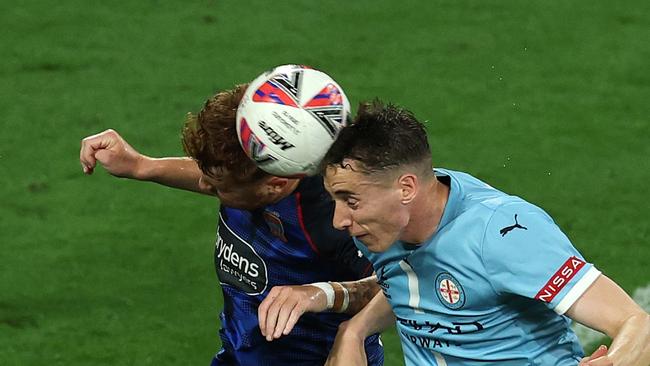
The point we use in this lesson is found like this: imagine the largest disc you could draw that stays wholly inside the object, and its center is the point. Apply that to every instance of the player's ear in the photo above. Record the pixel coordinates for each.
(408, 185)
(276, 185)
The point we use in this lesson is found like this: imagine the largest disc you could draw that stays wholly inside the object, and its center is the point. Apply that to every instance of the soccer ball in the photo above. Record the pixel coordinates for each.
(289, 117)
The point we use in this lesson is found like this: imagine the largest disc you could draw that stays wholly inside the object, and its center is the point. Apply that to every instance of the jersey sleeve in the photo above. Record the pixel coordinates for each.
(334, 245)
(525, 253)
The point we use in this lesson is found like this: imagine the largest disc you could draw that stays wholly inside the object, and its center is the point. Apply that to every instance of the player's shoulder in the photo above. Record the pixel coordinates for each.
(511, 208)
(506, 205)
(476, 193)
(516, 225)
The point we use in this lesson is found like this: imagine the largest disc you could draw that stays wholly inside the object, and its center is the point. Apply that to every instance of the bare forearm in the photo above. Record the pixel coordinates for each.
(375, 317)
(607, 308)
(360, 293)
(631, 346)
(348, 348)
(175, 172)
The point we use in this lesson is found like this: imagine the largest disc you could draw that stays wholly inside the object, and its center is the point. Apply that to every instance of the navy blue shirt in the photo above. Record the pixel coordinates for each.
(291, 242)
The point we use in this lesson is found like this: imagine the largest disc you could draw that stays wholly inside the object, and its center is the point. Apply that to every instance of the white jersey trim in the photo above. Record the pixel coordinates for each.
(439, 359)
(414, 287)
(577, 290)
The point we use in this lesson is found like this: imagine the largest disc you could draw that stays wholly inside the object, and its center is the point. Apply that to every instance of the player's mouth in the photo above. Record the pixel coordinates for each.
(360, 236)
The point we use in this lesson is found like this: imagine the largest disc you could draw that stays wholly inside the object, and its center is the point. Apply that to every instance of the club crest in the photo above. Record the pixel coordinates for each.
(449, 291)
(275, 224)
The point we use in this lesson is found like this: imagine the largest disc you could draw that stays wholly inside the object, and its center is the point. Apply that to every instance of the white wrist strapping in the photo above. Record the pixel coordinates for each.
(328, 289)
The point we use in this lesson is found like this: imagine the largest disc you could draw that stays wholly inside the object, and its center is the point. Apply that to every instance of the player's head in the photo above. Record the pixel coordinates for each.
(210, 138)
(375, 170)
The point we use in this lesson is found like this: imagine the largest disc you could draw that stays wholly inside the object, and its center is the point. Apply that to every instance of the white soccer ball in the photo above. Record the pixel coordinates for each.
(289, 117)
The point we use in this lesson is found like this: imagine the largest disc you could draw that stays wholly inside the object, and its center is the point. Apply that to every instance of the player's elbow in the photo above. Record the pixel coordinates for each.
(637, 323)
(638, 338)
(644, 321)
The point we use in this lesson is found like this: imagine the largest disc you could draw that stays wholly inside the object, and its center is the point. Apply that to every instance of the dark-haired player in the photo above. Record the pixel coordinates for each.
(272, 231)
(473, 276)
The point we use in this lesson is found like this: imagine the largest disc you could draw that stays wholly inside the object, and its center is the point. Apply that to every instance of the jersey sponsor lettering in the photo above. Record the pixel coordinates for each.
(449, 328)
(237, 263)
(563, 275)
(441, 334)
(426, 342)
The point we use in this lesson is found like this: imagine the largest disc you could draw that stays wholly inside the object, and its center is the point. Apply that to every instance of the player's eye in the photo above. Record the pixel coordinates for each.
(353, 203)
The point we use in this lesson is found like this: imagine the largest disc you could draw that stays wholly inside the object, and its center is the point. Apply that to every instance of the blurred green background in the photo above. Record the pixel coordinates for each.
(548, 100)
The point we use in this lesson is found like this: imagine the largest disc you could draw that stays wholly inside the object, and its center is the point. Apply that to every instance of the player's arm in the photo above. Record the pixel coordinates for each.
(348, 348)
(122, 160)
(606, 307)
(284, 305)
(359, 293)
(562, 279)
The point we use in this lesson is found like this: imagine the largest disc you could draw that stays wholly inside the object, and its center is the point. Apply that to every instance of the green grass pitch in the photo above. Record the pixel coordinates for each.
(547, 100)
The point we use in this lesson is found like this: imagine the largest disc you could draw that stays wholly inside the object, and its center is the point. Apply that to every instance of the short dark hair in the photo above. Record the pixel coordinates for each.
(210, 137)
(381, 137)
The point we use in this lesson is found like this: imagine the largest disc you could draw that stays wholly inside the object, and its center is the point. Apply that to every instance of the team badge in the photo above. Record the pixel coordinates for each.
(449, 291)
(275, 224)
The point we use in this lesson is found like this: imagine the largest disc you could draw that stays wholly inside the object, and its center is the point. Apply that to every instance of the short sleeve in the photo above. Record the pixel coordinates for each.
(525, 253)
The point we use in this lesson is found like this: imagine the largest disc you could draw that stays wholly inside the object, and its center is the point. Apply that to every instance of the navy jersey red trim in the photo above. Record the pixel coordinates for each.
(301, 220)
(291, 242)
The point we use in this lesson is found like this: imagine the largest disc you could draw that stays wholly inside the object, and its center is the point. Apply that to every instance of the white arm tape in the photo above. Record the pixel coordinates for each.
(346, 300)
(329, 292)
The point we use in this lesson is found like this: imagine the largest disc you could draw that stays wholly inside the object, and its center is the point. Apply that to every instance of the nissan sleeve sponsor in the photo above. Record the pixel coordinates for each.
(563, 275)
(237, 263)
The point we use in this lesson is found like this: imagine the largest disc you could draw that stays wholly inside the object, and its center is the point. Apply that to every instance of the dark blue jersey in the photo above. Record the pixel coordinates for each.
(291, 242)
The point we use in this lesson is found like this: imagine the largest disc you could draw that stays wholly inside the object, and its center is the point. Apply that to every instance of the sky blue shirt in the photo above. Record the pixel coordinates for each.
(490, 286)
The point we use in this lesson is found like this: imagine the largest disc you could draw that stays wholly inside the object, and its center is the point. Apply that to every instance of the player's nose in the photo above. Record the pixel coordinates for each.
(342, 219)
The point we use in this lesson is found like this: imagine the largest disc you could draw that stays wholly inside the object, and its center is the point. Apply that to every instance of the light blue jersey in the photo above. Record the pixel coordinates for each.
(489, 287)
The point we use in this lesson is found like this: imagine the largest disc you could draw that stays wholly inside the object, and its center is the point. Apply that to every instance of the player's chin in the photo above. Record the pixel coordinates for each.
(371, 243)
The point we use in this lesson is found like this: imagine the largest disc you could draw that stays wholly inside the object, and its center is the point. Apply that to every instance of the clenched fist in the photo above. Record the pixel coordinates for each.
(113, 152)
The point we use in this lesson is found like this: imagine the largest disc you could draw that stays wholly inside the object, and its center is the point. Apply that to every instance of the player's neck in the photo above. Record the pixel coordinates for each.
(426, 213)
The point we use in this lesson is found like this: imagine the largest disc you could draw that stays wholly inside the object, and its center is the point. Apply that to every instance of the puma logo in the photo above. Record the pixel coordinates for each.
(507, 229)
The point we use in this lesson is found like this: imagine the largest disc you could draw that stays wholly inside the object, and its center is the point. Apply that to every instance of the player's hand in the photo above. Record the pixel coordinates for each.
(598, 358)
(284, 305)
(113, 152)
(348, 348)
